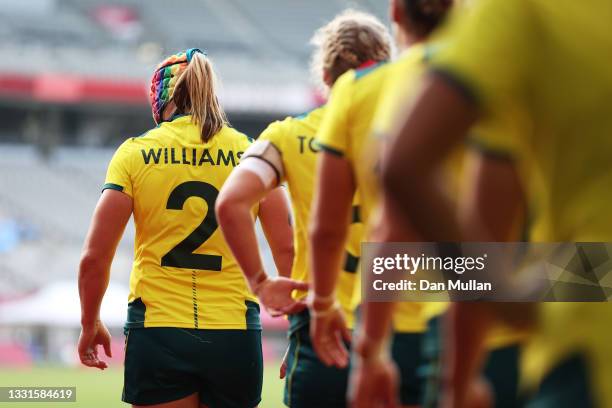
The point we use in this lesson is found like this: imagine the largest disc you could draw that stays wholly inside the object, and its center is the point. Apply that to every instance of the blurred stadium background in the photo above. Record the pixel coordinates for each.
(73, 86)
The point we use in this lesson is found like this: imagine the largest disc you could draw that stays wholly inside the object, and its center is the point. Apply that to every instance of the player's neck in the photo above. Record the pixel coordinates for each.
(406, 40)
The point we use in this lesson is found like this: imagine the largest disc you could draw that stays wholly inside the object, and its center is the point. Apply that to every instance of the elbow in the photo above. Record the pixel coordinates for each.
(391, 180)
(88, 263)
(325, 234)
(287, 250)
(225, 208)
(91, 265)
(400, 180)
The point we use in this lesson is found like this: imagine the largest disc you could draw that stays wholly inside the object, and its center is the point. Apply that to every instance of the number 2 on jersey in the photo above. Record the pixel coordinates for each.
(182, 256)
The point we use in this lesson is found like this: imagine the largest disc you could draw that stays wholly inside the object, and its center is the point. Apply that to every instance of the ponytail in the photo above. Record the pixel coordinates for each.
(195, 94)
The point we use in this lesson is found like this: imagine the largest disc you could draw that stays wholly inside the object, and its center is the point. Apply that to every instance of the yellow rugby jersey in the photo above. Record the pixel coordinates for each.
(401, 77)
(294, 138)
(345, 131)
(404, 75)
(550, 62)
(184, 274)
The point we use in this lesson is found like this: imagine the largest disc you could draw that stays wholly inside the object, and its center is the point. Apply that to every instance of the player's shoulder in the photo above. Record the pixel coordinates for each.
(300, 118)
(291, 125)
(230, 135)
(367, 75)
(148, 137)
(370, 70)
(311, 117)
(133, 143)
(417, 55)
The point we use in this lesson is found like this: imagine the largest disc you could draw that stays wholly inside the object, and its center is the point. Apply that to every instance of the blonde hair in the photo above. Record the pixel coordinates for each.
(195, 94)
(349, 40)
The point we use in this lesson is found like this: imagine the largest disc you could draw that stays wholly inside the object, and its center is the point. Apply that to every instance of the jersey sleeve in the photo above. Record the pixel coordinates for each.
(488, 50)
(333, 134)
(499, 136)
(486, 57)
(275, 134)
(120, 170)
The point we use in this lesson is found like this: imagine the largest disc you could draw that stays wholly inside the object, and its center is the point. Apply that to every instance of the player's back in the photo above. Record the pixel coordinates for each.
(184, 274)
(353, 103)
(572, 137)
(346, 132)
(570, 92)
(294, 137)
(548, 63)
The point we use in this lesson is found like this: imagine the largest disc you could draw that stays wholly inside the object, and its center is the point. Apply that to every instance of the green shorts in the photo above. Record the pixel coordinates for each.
(163, 364)
(502, 373)
(407, 352)
(501, 370)
(309, 382)
(568, 385)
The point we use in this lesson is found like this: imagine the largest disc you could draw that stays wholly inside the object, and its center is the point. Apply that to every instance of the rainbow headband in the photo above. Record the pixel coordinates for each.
(165, 78)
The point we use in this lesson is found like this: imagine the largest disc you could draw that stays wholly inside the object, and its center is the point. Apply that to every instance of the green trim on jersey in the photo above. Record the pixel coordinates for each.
(111, 186)
(329, 149)
(304, 115)
(137, 311)
(351, 262)
(479, 146)
(461, 85)
(356, 214)
(360, 73)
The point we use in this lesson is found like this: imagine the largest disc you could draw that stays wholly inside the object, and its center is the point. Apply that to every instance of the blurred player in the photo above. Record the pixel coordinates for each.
(286, 152)
(349, 164)
(541, 68)
(193, 335)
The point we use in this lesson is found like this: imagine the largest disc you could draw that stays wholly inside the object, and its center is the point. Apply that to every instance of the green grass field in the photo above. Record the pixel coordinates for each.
(97, 389)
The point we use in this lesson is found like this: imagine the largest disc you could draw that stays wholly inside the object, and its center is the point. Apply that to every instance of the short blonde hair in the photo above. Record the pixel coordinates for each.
(350, 39)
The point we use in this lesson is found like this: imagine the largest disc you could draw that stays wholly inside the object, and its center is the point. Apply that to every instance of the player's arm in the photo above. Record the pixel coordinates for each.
(275, 217)
(491, 208)
(385, 227)
(331, 211)
(257, 175)
(413, 161)
(411, 165)
(373, 366)
(109, 220)
(329, 224)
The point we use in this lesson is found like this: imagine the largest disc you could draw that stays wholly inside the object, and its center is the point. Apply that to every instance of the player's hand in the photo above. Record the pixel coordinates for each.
(373, 382)
(328, 333)
(92, 336)
(274, 293)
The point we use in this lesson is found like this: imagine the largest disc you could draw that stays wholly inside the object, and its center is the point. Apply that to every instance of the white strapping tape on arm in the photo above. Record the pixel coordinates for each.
(264, 160)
